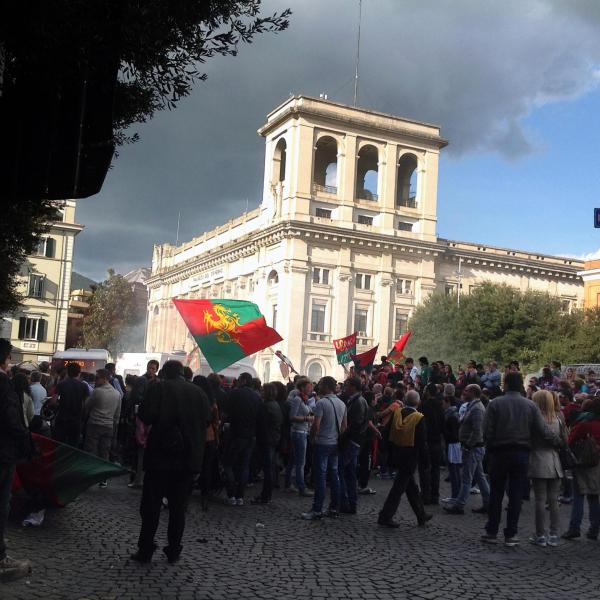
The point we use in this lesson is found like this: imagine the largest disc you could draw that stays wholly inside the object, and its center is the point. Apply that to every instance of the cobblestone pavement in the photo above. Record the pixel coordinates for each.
(81, 552)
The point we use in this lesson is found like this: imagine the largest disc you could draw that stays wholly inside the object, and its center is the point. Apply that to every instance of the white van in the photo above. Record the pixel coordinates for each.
(134, 363)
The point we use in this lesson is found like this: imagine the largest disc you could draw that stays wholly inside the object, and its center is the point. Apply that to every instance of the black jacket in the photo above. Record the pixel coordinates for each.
(14, 436)
(179, 413)
(433, 410)
(270, 420)
(243, 405)
(451, 425)
(357, 418)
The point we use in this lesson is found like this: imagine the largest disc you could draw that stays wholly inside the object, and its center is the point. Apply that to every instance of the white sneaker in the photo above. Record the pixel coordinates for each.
(552, 540)
(538, 541)
(475, 490)
(34, 519)
(311, 515)
(232, 501)
(239, 502)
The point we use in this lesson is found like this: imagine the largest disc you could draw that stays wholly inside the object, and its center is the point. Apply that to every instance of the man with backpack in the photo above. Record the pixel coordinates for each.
(353, 437)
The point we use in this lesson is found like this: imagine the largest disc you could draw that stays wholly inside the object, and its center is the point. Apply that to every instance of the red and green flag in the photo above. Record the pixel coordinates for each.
(61, 472)
(364, 361)
(396, 354)
(226, 330)
(344, 348)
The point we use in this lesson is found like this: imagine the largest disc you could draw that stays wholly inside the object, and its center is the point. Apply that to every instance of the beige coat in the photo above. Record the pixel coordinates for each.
(544, 462)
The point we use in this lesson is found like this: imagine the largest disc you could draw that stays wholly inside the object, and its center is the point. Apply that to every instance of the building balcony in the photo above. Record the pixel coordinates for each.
(410, 202)
(313, 336)
(366, 195)
(364, 343)
(325, 189)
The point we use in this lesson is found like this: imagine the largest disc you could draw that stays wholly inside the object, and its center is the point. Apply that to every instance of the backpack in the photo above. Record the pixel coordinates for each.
(587, 452)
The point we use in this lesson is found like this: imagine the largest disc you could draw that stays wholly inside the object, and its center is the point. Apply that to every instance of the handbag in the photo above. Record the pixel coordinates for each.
(342, 440)
(568, 460)
(587, 452)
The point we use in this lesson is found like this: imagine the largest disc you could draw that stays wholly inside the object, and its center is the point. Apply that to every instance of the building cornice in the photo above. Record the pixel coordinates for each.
(449, 250)
(509, 259)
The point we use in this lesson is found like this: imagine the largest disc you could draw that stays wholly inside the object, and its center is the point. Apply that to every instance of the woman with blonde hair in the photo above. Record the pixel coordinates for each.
(546, 473)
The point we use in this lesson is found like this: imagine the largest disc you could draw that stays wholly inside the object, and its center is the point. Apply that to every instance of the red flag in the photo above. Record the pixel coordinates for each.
(401, 343)
(364, 361)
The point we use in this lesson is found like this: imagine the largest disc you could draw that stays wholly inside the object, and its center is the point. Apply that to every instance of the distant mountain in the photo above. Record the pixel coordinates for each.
(81, 282)
(138, 275)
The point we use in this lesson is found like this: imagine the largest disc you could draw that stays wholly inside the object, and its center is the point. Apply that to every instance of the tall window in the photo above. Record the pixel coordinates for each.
(325, 173)
(274, 319)
(315, 372)
(361, 316)
(406, 188)
(32, 329)
(367, 175)
(450, 288)
(267, 372)
(317, 317)
(323, 213)
(46, 247)
(320, 275)
(273, 278)
(36, 285)
(279, 160)
(363, 281)
(404, 287)
(400, 323)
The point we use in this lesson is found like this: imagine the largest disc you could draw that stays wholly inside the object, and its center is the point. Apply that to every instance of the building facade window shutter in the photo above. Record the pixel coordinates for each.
(50, 247)
(22, 321)
(41, 330)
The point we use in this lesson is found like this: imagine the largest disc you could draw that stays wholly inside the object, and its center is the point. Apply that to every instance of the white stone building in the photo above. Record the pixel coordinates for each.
(343, 240)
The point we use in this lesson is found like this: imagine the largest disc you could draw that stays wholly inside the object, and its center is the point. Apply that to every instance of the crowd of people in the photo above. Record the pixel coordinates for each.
(488, 430)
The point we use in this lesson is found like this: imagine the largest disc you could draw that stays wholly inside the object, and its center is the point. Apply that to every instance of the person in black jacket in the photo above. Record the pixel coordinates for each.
(354, 436)
(178, 412)
(14, 446)
(242, 411)
(429, 476)
(408, 446)
(268, 436)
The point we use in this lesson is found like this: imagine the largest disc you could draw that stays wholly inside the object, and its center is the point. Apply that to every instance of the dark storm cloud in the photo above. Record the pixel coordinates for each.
(477, 68)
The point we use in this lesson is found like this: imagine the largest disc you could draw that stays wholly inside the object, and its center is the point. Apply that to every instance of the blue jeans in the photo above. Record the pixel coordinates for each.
(507, 466)
(347, 472)
(577, 512)
(325, 462)
(454, 470)
(473, 469)
(299, 443)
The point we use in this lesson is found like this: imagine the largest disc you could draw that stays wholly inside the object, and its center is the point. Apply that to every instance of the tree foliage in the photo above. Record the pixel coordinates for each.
(157, 47)
(21, 227)
(113, 313)
(501, 323)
